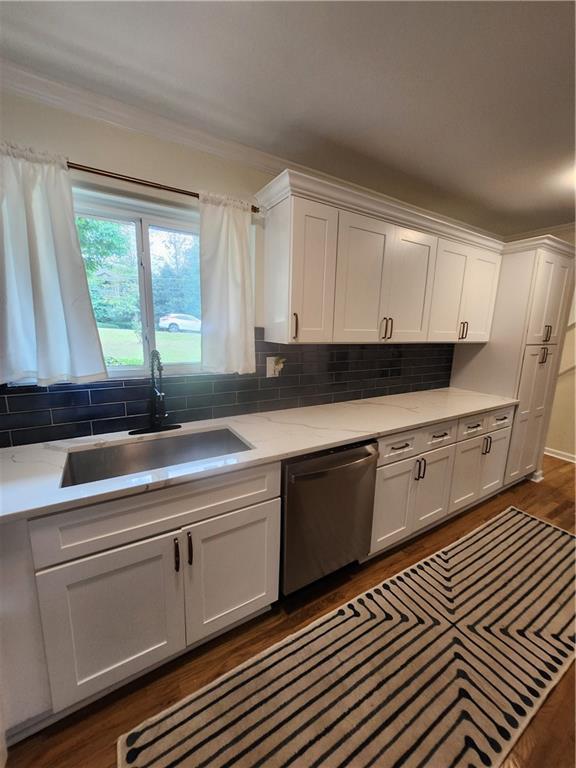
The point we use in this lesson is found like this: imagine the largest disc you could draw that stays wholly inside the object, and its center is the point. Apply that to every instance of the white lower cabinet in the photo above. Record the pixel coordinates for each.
(410, 495)
(113, 614)
(467, 468)
(479, 468)
(494, 461)
(232, 568)
(109, 616)
(432, 490)
(392, 518)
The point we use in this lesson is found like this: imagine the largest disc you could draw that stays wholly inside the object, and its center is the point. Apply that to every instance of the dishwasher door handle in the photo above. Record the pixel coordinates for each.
(371, 457)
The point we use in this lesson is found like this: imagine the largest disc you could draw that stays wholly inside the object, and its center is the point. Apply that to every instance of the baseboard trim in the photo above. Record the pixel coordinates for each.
(564, 455)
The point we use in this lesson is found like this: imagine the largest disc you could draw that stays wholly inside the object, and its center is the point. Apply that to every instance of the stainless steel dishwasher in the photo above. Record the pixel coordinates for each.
(327, 513)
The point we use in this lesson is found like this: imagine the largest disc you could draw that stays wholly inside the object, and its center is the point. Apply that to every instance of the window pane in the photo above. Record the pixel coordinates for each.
(110, 251)
(175, 262)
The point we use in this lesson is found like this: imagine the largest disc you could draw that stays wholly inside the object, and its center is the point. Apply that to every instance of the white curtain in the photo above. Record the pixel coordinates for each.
(227, 286)
(47, 328)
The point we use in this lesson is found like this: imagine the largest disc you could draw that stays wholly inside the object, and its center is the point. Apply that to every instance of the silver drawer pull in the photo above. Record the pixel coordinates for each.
(437, 437)
(400, 447)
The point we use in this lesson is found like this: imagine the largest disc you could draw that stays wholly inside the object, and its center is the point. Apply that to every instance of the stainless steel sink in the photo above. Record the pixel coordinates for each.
(115, 460)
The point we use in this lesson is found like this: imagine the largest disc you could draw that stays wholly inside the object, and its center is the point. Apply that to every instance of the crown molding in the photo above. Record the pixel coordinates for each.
(555, 231)
(85, 103)
(321, 186)
(549, 242)
(350, 198)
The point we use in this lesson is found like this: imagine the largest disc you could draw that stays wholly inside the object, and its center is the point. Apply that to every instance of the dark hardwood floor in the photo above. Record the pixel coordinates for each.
(87, 739)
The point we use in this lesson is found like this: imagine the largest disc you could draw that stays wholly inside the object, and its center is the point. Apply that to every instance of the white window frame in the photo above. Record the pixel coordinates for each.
(143, 214)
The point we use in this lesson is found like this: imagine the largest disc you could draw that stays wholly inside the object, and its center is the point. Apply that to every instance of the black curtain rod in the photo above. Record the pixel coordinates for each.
(141, 182)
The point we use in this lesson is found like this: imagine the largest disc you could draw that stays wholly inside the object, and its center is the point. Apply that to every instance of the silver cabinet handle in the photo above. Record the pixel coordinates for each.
(391, 328)
(461, 331)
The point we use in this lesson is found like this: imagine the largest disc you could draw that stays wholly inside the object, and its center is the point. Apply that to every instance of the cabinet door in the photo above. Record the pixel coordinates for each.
(479, 295)
(447, 294)
(432, 490)
(363, 244)
(561, 290)
(535, 392)
(466, 477)
(494, 461)
(392, 519)
(408, 280)
(314, 239)
(552, 284)
(110, 615)
(231, 567)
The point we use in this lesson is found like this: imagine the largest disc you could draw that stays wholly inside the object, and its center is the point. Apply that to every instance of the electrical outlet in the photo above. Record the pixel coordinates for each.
(274, 366)
(271, 369)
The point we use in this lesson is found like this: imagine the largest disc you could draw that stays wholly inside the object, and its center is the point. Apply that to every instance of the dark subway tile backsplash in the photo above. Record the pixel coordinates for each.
(313, 374)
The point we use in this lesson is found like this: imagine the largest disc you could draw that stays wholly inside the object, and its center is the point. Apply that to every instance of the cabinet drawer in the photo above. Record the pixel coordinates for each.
(79, 532)
(498, 419)
(398, 446)
(470, 426)
(438, 435)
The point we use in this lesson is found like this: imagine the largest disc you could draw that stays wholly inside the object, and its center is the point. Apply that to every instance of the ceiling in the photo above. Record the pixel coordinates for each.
(466, 108)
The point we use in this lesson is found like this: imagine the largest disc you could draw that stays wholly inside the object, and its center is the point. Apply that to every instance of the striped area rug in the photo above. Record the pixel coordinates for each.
(442, 665)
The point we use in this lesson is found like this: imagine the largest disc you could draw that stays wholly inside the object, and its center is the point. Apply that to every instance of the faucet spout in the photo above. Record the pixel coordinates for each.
(158, 413)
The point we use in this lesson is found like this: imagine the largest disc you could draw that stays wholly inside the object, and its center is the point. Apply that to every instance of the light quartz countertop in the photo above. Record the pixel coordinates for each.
(30, 475)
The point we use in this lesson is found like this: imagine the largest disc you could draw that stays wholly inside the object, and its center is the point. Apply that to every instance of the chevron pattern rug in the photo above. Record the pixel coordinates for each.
(442, 665)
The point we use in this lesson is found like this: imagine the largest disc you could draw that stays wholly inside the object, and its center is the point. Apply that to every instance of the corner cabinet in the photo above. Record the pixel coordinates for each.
(117, 613)
(339, 268)
(465, 285)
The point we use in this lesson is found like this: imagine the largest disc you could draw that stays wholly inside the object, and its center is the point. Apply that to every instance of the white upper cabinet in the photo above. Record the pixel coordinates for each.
(345, 265)
(363, 246)
(384, 280)
(465, 285)
(551, 294)
(446, 310)
(300, 270)
(408, 280)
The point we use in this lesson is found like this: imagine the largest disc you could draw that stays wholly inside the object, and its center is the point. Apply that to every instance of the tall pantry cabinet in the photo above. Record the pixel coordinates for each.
(532, 305)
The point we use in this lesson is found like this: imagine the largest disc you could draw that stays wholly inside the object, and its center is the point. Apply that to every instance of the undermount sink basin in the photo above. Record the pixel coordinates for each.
(126, 458)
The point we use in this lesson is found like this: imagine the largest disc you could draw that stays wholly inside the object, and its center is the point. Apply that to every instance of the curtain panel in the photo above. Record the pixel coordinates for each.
(227, 286)
(48, 332)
